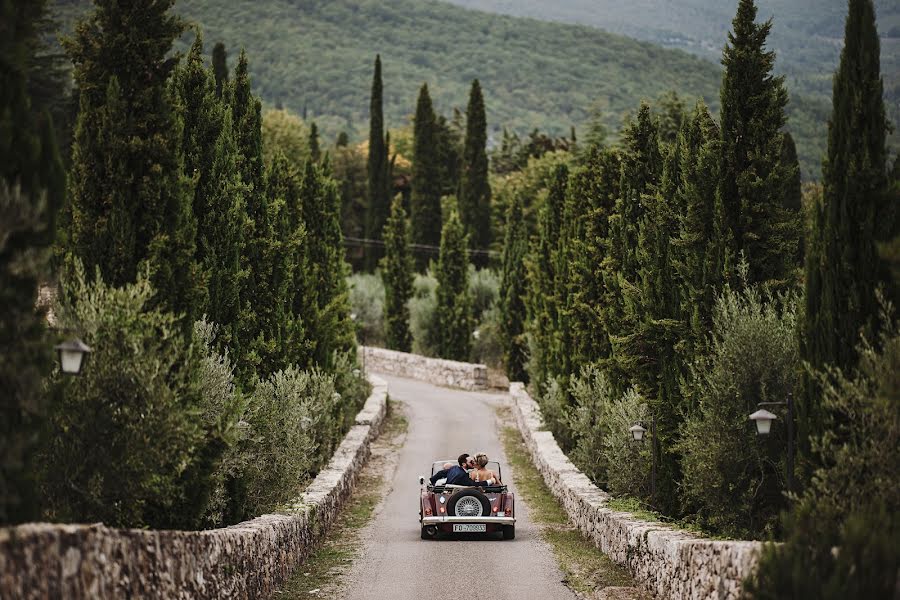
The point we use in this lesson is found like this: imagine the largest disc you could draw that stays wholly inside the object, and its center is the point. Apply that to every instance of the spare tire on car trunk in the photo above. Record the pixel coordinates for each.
(469, 503)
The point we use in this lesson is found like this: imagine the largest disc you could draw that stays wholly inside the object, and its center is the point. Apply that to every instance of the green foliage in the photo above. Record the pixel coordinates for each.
(513, 292)
(367, 301)
(425, 203)
(734, 478)
(348, 165)
(842, 267)
(422, 315)
(841, 537)
(379, 197)
(454, 308)
(25, 354)
(753, 179)
(397, 267)
(285, 132)
(144, 377)
(129, 200)
(603, 447)
(474, 189)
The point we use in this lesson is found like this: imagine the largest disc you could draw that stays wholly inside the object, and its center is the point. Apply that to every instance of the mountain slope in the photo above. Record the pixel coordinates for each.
(317, 55)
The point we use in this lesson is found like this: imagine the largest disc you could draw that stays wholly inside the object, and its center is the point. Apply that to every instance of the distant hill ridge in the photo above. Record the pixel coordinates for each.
(316, 56)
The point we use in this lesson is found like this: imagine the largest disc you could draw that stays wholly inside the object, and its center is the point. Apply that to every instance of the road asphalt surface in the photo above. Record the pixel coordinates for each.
(395, 563)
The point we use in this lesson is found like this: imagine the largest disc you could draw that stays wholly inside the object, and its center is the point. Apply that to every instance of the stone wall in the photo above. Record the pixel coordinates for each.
(666, 562)
(247, 560)
(447, 373)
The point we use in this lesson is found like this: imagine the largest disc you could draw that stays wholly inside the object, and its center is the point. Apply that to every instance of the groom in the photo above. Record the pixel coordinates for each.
(459, 476)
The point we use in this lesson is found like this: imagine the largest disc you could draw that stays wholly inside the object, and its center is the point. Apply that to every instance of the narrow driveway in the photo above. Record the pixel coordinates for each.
(397, 564)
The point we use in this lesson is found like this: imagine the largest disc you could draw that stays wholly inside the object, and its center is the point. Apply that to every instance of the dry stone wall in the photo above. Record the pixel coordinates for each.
(667, 562)
(447, 373)
(247, 560)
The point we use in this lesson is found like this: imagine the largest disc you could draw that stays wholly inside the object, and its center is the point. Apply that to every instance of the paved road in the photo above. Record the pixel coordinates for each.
(396, 564)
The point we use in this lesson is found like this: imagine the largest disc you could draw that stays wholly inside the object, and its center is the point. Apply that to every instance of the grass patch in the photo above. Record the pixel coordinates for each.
(586, 569)
(320, 576)
(641, 511)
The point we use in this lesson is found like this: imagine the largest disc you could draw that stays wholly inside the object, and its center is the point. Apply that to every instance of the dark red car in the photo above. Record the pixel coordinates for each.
(460, 509)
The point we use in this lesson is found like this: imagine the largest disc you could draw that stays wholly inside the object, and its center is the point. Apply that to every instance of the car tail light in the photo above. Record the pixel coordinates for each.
(427, 511)
(509, 512)
(442, 509)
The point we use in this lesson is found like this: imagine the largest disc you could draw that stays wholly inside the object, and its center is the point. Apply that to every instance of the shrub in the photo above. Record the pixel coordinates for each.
(134, 441)
(290, 420)
(484, 290)
(367, 302)
(734, 478)
(487, 347)
(599, 423)
(422, 322)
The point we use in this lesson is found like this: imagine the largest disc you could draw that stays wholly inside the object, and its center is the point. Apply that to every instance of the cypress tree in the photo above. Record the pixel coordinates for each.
(543, 304)
(842, 266)
(474, 189)
(32, 186)
(513, 289)
(220, 67)
(315, 152)
(210, 157)
(425, 202)
(332, 330)
(129, 199)
(696, 248)
(641, 168)
(752, 181)
(454, 310)
(260, 244)
(397, 270)
(597, 183)
(378, 196)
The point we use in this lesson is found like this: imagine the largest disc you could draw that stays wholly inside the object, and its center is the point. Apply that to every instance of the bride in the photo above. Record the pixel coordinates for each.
(481, 472)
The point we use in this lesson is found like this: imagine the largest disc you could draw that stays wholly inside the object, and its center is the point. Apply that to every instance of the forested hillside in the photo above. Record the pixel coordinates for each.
(315, 57)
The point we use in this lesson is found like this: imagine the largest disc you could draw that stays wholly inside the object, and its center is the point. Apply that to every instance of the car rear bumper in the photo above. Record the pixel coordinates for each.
(487, 520)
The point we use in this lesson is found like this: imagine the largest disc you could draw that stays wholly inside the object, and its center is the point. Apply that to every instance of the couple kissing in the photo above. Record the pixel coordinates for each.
(469, 471)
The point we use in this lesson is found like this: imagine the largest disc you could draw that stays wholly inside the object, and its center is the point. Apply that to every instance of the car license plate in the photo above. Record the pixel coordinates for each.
(469, 528)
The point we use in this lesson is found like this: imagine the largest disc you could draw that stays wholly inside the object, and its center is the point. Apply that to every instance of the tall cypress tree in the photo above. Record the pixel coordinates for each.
(378, 195)
(425, 202)
(597, 183)
(842, 266)
(320, 202)
(32, 186)
(454, 309)
(397, 270)
(513, 289)
(129, 199)
(220, 67)
(210, 157)
(543, 304)
(696, 249)
(474, 189)
(752, 181)
(315, 151)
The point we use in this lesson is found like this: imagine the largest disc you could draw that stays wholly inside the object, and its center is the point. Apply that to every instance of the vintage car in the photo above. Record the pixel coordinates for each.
(460, 509)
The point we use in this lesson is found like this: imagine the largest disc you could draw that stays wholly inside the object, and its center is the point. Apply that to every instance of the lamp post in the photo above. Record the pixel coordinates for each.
(763, 419)
(637, 433)
(72, 356)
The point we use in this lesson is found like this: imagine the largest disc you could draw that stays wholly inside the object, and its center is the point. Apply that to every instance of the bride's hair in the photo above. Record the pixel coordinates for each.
(481, 459)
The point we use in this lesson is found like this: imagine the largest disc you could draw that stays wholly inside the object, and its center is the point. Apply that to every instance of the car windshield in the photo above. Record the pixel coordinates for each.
(492, 465)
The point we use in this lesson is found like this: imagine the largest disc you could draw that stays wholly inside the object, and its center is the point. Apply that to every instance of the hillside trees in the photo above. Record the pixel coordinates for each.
(454, 310)
(425, 202)
(397, 269)
(474, 189)
(220, 67)
(129, 200)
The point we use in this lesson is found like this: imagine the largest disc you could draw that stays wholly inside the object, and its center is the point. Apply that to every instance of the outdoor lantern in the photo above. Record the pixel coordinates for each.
(637, 432)
(763, 419)
(72, 355)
